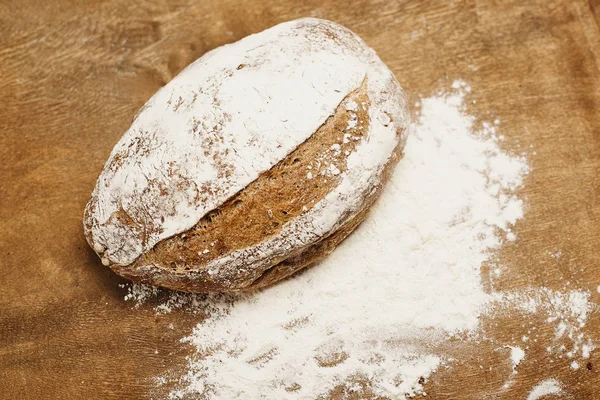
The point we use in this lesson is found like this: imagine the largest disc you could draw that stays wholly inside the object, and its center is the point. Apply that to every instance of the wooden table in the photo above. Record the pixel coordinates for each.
(73, 74)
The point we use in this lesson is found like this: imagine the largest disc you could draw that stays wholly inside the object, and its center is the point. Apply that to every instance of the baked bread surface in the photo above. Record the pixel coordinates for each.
(254, 162)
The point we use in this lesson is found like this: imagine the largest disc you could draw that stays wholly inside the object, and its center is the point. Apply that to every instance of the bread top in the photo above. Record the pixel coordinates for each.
(230, 116)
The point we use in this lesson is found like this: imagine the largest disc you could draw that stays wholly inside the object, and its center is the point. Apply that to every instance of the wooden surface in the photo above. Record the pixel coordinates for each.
(73, 74)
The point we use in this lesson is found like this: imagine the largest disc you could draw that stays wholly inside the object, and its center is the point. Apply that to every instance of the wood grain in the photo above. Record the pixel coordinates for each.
(73, 74)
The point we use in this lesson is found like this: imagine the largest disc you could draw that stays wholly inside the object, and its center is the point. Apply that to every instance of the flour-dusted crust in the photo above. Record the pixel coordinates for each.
(219, 130)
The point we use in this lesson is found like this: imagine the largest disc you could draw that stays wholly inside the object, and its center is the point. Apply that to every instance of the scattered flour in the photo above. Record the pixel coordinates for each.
(567, 311)
(368, 314)
(516, 356)
(574, 365)
(375, 314)
(140, 293)
(167, 300)
(556, 254)
(546, 388)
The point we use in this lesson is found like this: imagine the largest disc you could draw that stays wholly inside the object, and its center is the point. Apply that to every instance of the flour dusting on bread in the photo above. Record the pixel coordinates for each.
(226, 119)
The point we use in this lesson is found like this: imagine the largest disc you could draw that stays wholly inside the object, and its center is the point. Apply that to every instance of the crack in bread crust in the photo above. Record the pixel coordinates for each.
(279, 195)
(285, 268)
(193, 282)
(232, 114)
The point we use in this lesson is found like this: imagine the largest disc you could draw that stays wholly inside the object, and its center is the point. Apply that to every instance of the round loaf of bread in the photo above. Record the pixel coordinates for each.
(252, 163)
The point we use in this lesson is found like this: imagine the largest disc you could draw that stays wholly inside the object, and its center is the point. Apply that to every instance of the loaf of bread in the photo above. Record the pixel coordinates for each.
(252, 163)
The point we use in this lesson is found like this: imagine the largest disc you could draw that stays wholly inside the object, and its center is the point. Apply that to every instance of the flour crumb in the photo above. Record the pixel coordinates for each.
(586, 349)
(139, 293)
(516, 356)
(556, 254)
(352, 122)
(546, 388)
(574, 365)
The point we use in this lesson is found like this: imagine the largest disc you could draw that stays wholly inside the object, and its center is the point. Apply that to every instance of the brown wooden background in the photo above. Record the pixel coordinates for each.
(73, 74)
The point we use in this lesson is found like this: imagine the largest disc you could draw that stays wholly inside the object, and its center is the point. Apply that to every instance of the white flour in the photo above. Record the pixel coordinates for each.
(546, 388)
(566, 312)
(516, 356)
(406, 280)
(410, 275)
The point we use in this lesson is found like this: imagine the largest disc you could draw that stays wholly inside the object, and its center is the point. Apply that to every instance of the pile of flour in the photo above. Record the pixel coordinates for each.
(372, 314)
(409, 277)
